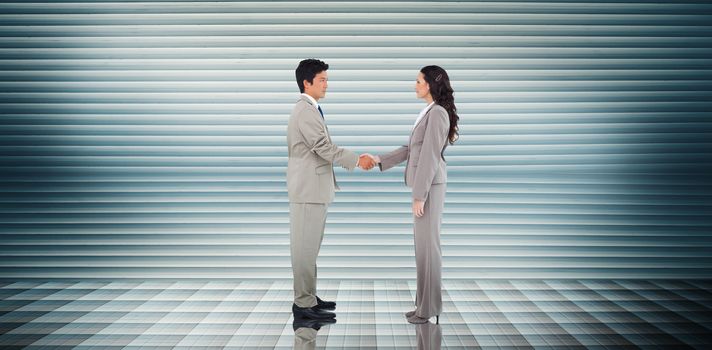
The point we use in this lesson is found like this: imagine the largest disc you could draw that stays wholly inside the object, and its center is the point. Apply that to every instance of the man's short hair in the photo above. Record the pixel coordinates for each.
(307, 70)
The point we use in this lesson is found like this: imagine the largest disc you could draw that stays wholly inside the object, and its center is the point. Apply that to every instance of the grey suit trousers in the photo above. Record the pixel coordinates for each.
(428, 256)
(305, 338)
(306, 231)
(429, 336)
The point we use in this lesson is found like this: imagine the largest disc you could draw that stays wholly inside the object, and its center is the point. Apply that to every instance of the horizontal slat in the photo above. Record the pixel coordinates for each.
(390, 88)
(350, 108)
(396, 208)
(356, 187)
(574, 6)
(354, 219)
(270, 41)
(256, 151)
(393, 75)
(163, 231)
(349, 98)
(358, 17)
(357, 63)
(334, 251)
(342, 273)
(581, 138)
(358, 29)
(327, 262)
(356, 52)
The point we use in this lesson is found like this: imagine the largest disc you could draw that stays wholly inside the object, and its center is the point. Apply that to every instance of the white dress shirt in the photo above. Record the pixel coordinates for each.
(422, 113)
(311, 99)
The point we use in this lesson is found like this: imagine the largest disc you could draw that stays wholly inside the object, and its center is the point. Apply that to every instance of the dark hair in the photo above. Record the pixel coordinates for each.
(307, 70)
(441, 91)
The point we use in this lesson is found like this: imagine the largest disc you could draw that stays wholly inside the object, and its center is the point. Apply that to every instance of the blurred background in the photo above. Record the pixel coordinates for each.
(146, 140)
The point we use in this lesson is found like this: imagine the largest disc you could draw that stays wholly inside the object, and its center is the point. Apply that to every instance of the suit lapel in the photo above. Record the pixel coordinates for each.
(308, 101)
(421, 119)
(302, 97)
(407, 161)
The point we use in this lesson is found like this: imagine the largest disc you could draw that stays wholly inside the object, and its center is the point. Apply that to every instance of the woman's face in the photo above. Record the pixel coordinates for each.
(422, 89)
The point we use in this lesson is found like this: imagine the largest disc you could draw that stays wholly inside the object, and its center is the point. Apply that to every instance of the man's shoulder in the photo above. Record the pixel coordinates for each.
(302, 109)
(300, 105)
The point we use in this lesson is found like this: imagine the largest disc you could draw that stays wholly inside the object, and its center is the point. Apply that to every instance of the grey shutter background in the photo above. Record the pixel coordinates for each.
(147, 139)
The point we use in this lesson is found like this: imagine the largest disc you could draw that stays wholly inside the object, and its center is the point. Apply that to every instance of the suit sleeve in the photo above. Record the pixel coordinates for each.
(393, 158)
(313, 132)
(435, 137)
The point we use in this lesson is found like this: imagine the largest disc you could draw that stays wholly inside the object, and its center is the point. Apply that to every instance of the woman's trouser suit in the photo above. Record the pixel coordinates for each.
(426, 173)
(428, 256)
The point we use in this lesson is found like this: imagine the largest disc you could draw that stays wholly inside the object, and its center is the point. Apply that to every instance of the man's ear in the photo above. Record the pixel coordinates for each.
(306, 82)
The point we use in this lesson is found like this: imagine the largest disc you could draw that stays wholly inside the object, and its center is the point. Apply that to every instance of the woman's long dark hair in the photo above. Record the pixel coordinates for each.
(441, 91)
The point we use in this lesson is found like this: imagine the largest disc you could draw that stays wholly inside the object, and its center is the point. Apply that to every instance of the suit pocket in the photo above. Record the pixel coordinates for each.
(323, 169)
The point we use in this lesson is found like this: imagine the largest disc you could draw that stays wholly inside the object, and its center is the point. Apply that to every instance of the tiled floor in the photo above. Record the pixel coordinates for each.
(482, 314)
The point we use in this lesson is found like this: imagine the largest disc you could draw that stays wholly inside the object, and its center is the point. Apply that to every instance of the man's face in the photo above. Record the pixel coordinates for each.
(317, 88)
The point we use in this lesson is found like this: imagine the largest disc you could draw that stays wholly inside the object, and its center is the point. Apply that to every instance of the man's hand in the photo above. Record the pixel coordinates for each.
(366, 161)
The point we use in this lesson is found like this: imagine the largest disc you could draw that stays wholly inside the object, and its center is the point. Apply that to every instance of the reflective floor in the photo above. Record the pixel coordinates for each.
(478, 314)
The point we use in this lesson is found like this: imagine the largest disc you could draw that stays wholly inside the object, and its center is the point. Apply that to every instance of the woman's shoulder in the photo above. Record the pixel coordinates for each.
(439, 110)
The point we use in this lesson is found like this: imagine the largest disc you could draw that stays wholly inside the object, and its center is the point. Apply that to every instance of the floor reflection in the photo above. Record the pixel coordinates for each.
(429, 336)
(305, 332)
(483, 314)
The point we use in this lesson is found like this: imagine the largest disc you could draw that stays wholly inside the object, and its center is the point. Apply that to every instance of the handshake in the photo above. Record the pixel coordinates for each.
(367, 161)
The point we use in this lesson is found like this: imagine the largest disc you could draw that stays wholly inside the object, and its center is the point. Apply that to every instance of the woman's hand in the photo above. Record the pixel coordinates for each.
(418, 207)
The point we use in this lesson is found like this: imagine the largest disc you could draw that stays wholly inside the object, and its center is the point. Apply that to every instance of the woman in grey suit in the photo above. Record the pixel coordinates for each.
(425, 173)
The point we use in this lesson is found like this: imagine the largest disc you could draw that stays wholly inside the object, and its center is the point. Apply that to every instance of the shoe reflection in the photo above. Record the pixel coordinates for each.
(305, 331)
(429, 336)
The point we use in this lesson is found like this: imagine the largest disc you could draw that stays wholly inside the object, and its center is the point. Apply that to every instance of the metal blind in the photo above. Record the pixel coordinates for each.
(147, 139)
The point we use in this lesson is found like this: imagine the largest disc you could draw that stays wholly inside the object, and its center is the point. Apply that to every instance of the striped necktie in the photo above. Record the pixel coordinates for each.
(320, 111)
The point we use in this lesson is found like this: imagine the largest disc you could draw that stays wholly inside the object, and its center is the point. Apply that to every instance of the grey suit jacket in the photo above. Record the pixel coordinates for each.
(310, 172)
(424, 153)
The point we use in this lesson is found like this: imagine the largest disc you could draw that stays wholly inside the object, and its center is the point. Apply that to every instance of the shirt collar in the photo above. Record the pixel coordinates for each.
(422, 113)
(316, 105)
(426, 108)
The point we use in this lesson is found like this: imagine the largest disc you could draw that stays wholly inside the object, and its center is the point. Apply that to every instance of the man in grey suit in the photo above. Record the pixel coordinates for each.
(311, 184)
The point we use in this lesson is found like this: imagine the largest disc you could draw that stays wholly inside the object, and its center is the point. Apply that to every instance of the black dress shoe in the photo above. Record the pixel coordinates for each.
(325, 305)
(312, 313)
(314, 324)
